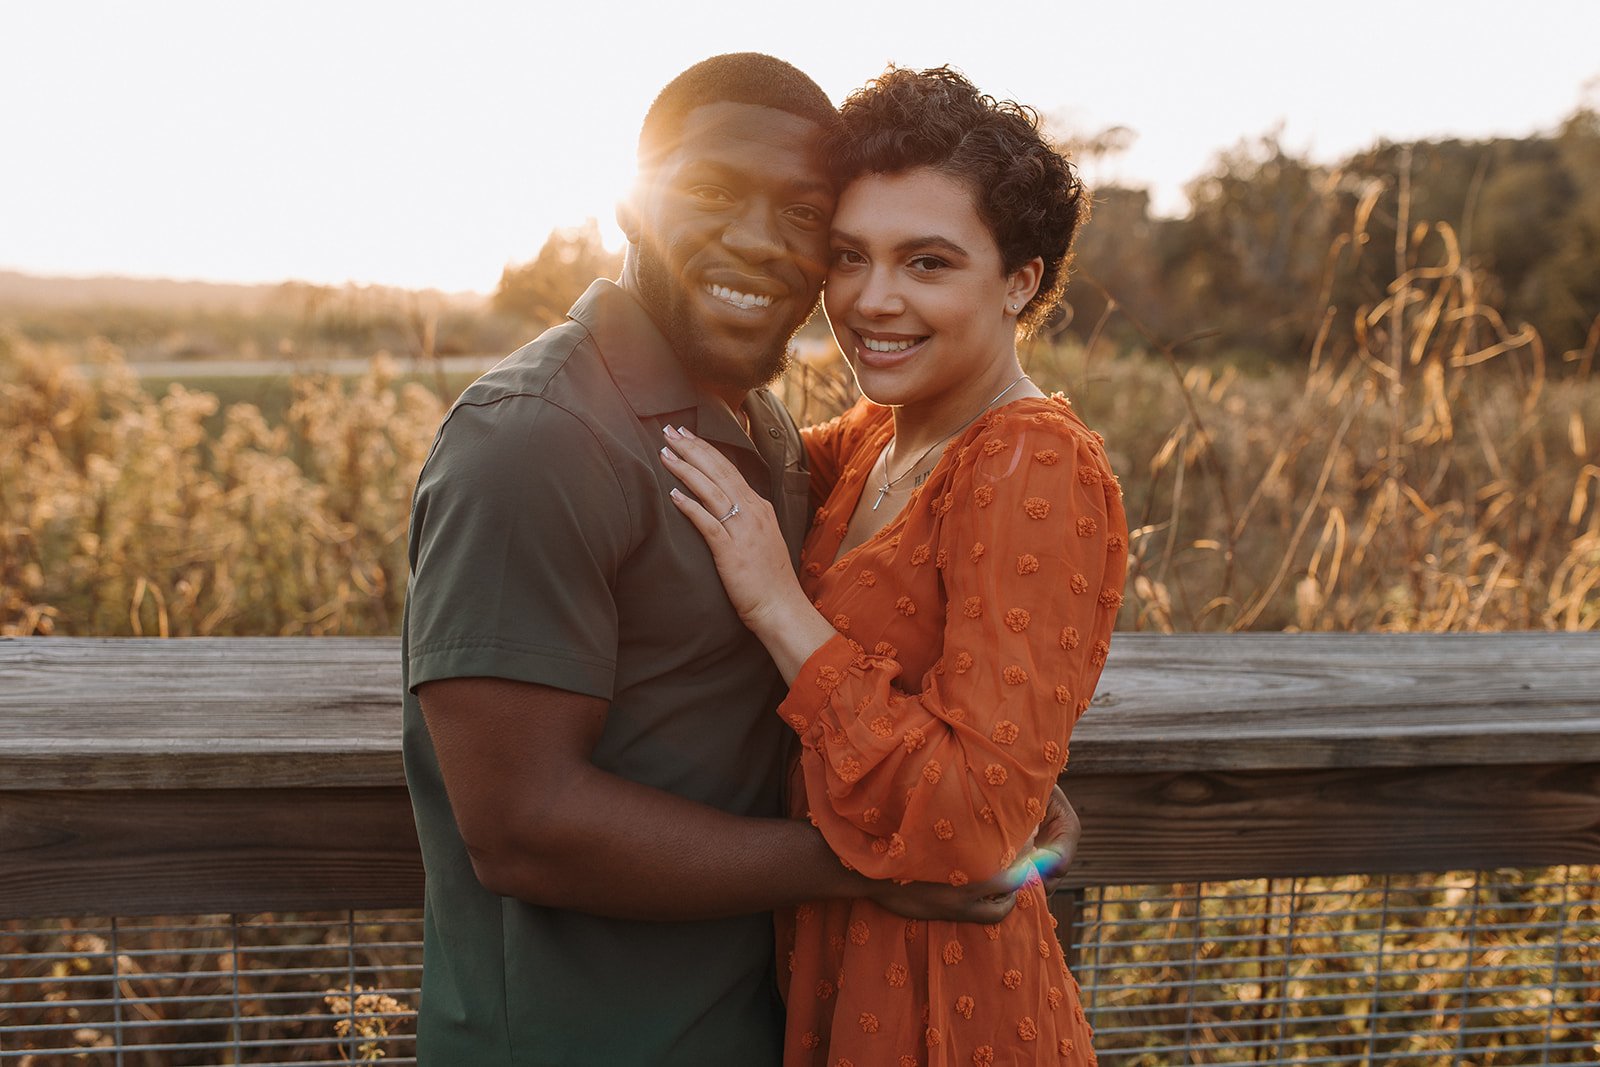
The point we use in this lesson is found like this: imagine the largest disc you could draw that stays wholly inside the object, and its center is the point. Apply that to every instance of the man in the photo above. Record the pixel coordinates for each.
(589, 737)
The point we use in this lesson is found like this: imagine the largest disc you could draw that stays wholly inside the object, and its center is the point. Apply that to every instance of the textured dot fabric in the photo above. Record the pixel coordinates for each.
(971, 632)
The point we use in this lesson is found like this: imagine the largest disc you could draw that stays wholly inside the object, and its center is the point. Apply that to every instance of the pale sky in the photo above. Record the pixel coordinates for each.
(419, 145)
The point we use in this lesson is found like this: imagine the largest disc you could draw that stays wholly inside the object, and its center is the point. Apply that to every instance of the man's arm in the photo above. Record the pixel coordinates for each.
(543, 824)
(1056, 843)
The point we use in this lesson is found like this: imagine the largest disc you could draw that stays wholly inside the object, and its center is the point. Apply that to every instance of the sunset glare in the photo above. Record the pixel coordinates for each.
(430, 145)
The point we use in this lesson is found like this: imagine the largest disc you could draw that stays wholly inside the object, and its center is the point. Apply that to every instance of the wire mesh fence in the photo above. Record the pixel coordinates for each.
(302, 989)
(1470, 968)
(1484, 968)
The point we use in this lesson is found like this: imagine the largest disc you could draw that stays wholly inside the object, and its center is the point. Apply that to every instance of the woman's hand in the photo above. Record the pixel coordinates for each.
(752, 559)
(739, 526)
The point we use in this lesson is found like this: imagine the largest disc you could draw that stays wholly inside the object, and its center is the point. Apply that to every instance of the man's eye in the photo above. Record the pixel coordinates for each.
(806, 215)
(709, 194)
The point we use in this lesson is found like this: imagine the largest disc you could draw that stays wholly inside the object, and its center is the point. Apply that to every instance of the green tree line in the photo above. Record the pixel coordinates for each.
(1273, 240)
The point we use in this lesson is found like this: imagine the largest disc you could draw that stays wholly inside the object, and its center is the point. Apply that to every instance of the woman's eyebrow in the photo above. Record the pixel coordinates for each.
(912, 244)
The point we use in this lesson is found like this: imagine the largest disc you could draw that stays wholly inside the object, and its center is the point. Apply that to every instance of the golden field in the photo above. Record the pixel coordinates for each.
(1426, 467)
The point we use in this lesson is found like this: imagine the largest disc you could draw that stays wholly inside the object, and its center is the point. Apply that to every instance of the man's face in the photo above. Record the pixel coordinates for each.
(730, 236)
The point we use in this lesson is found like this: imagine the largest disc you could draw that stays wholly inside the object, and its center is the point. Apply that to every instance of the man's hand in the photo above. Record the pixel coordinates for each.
(1056, 841)
(981, 902)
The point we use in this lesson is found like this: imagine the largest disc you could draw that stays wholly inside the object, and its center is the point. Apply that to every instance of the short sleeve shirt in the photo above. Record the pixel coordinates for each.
(544, 548)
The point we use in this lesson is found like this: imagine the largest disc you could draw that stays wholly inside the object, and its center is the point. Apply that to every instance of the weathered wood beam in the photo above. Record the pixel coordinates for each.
(149, 777)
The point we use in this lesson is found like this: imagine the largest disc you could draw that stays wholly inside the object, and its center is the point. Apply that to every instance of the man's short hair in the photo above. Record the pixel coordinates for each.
(737, 78)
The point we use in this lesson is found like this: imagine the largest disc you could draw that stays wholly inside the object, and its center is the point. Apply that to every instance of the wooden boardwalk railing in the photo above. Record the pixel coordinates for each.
(142, 777)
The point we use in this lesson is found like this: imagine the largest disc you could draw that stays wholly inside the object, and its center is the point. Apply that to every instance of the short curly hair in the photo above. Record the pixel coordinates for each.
(1026, 192)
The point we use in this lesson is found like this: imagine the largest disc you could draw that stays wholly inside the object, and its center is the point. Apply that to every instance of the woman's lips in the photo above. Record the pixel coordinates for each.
(890, 351)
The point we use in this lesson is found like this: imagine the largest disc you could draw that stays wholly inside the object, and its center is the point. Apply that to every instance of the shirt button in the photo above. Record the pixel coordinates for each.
(774, 433)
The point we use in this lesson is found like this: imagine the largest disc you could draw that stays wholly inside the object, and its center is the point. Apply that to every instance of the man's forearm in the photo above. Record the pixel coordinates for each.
(609, 846)
(543, 824)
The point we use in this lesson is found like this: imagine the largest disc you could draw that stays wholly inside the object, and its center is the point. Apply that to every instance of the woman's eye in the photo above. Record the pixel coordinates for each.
(927, 264)
(847, 257)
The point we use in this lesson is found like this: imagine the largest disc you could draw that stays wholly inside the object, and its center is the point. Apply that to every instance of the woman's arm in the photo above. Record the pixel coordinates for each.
(946, 778)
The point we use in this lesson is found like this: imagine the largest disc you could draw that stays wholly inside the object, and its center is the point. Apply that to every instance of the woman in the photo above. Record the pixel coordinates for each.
(959, 585)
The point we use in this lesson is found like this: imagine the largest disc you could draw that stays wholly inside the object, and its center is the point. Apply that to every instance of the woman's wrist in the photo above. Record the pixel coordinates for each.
(792, 630)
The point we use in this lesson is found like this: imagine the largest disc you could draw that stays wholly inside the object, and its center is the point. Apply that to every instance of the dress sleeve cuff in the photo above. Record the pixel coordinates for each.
(813, 686)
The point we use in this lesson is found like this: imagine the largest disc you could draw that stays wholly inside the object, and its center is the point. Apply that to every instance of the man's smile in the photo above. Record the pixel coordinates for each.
(738, 299)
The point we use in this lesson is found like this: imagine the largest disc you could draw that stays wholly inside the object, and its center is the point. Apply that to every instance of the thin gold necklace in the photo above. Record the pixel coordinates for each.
(889, 482)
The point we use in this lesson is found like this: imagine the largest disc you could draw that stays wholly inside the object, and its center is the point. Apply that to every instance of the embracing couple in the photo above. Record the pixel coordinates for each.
(673, 667)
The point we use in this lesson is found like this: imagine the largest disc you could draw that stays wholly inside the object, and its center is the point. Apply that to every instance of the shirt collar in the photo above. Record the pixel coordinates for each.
(639, 358)
(650, 377)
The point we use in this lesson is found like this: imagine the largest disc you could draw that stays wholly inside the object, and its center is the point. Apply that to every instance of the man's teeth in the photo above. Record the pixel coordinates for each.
(886, 346)
(738, 299)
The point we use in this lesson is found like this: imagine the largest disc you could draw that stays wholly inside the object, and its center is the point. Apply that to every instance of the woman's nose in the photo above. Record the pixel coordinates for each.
(879, 297)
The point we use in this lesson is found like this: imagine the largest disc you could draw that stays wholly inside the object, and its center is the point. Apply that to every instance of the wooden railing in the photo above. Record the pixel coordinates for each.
(142, 777)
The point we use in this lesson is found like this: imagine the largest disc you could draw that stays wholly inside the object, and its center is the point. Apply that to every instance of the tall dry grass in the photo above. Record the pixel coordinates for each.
(1424, 470)
(120, 514)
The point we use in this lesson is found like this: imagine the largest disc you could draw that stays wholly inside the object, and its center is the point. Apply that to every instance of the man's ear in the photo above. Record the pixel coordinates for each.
(628, 216)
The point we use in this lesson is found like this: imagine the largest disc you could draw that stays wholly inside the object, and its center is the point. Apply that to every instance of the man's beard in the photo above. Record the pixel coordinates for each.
(667, 301)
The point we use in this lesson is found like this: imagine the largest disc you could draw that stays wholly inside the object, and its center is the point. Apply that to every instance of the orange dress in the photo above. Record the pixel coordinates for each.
(971, 632)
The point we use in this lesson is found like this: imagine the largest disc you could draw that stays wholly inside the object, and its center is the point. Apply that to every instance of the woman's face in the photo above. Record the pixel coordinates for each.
(917, 295)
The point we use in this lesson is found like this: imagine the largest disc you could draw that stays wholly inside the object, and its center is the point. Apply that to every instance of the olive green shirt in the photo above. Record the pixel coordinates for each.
(544, 549)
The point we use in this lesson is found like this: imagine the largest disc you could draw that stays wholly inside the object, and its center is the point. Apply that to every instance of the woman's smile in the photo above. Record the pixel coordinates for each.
(882, 351)
(918, 293)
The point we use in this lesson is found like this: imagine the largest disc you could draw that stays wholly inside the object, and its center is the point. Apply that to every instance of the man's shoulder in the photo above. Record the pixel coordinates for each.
(540, 368)
(556, 384)
(550, 398)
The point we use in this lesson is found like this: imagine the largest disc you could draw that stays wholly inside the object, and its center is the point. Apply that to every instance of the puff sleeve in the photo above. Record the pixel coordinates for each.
(828, 444)
(944, 777)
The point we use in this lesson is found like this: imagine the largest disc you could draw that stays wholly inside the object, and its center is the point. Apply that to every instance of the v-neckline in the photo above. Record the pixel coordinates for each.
(899, 517)
(886, 431)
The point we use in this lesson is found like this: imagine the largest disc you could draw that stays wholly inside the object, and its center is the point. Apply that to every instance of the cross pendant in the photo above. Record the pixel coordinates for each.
(882, 490)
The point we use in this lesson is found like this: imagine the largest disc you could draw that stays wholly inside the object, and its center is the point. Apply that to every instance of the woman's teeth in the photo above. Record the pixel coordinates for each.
(738, 299)
(887, 346)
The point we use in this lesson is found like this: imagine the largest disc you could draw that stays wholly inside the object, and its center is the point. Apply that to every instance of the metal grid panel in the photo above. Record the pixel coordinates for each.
(301, 989)
(1488, 969)
(1480, 969)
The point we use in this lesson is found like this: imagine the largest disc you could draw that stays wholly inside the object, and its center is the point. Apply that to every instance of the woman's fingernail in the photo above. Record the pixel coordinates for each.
(668, 454)
(669, 431)
(673, 492)
(684, 430)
